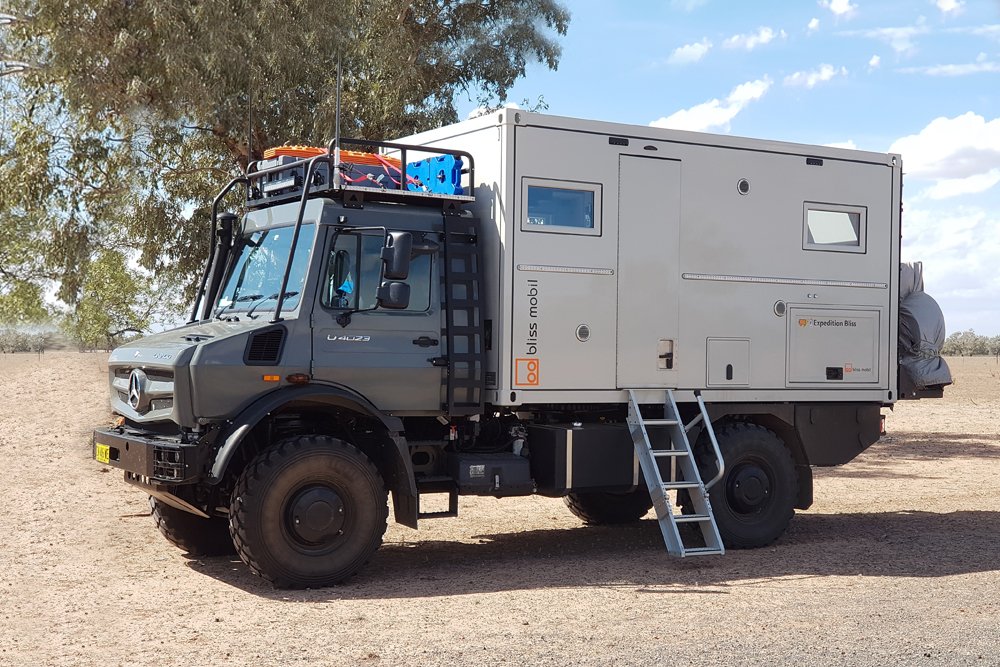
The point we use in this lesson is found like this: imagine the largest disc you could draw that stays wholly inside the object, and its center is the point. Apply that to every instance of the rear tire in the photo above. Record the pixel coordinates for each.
(755, 500)
(191, 533)
(602, 507)
(308, 512)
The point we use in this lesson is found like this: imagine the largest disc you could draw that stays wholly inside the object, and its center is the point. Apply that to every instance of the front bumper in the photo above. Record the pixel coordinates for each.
(148, 459)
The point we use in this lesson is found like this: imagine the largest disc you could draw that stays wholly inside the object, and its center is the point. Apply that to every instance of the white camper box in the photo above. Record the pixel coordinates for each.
(634, 257)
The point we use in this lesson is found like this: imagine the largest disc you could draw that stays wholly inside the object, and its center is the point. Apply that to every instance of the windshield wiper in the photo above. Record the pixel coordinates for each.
(244, 298)
(273, 297)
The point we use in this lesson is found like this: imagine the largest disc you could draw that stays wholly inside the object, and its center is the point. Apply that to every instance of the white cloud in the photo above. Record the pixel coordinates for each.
(959, 156)
(901, 38)
(840, 8)
(987, 31)
(849, 144)
(687, 6)
(716, 113)
(982, 64)
(690, 53)
(991, 31)
(764, 35)
(813, 24)
(874, 62)
(960, 248)
(946, 188)
(809, 79)
(953, 7)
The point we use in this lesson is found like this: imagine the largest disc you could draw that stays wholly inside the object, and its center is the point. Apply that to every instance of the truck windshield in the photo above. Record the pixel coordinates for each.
(259, 265)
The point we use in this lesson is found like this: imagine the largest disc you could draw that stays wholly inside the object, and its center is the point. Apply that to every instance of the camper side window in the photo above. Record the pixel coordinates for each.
(557, 206)
(834, 228)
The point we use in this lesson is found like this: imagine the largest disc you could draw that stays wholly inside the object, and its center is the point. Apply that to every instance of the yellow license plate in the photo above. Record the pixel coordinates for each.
(102, 453)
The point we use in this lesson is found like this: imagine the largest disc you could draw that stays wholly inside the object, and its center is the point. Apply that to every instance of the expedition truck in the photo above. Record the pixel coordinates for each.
(623, 316)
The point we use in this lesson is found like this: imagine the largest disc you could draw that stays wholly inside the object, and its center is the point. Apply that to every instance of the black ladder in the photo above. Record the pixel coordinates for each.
(465, 352)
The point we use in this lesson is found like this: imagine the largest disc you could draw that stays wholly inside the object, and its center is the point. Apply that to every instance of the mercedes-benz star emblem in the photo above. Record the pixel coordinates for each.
(137, 391)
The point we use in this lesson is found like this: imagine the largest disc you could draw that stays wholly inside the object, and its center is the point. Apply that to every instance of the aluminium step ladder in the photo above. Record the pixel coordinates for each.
(681, 458)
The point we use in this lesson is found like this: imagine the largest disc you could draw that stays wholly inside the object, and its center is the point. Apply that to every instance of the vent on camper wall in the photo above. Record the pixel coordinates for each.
(264, 348)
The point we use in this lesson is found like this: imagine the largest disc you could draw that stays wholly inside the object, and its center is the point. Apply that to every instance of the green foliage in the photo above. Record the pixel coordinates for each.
(115, 301)
(135, 113)
(968, 343)
(18, 340)
(23, 304)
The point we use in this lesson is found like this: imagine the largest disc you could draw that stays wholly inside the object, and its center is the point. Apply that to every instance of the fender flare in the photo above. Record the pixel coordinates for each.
(397, 466)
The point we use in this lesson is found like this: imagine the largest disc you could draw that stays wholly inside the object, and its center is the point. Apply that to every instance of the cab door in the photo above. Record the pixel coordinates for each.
(388, 356)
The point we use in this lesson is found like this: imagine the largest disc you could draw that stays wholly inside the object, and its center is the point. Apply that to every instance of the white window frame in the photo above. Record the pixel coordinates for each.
(594, 188)
(860, 211)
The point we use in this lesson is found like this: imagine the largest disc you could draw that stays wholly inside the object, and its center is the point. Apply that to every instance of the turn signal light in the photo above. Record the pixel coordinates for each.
(272, 378)
(297, 378)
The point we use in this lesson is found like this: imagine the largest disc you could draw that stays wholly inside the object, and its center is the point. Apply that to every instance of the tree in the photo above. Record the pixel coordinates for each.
(993, 347)
(969, 343)
(112, 304)
(130, 115)
(951, 347)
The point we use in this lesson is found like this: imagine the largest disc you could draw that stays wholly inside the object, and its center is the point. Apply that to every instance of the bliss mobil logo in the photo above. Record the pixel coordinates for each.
(803, 323)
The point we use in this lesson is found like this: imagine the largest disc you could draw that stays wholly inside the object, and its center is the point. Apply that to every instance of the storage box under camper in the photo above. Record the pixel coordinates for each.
(631, 257)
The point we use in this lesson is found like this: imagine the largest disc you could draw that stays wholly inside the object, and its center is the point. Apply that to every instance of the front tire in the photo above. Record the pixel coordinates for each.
(755, 500)
(193, 534)
(308, 512)
(601, 507)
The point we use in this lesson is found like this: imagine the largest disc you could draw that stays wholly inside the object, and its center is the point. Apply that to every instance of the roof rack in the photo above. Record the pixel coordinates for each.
(378, 172)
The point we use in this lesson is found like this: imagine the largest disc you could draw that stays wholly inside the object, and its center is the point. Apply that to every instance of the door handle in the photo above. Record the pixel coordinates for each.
(425, 341)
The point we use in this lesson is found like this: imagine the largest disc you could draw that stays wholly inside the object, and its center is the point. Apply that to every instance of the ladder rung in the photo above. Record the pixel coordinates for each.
(691, 518)
(672, 486)
(660, 422)
(699, 551)
(669, 452)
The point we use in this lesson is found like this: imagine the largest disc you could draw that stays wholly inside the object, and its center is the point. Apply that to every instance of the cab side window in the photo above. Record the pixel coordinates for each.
(353, 267)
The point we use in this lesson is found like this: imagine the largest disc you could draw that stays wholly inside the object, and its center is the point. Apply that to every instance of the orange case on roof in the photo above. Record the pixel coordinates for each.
(355, 157)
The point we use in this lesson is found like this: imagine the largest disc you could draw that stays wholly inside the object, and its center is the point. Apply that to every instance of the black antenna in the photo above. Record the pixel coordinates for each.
(336, 129)
(249, 124)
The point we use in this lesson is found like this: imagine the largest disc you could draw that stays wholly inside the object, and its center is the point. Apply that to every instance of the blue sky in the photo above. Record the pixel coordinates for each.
(921, 78)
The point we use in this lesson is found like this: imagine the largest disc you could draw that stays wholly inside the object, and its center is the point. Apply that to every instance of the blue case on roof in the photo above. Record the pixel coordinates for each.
(441, 174)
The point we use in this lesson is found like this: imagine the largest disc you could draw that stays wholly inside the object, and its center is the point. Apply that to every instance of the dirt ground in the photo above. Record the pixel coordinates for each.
(896, 563)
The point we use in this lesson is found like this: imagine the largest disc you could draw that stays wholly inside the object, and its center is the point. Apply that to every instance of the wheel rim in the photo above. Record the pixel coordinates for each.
(749, 487)
(315, 518)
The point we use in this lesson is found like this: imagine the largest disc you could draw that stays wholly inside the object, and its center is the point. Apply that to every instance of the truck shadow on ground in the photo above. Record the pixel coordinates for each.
(889, 458)
(896, 544)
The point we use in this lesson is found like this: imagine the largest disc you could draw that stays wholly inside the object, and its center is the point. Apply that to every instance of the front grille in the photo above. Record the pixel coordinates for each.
(168, 464)
(155, 374)
(156, 393)
(264, 347)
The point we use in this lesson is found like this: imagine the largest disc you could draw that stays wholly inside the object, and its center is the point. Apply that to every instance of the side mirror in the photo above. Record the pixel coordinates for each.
(396, 255)
(393, 295)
